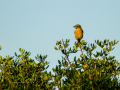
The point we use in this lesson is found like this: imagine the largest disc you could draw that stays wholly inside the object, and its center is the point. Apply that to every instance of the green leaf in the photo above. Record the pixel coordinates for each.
(57, 43)
(59, 62)
(55, 48)
(78, 73)
(15, 54)
(0, 47)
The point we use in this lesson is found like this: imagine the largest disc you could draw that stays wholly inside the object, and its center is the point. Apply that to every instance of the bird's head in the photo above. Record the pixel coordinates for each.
(77, 26)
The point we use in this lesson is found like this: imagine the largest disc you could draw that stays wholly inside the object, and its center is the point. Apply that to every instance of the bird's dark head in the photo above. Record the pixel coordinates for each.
(77, 26)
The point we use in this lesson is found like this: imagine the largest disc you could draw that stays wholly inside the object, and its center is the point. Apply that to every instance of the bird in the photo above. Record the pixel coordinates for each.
(78, 32)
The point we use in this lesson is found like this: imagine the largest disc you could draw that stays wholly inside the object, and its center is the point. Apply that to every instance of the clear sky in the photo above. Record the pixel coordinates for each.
(36, 25)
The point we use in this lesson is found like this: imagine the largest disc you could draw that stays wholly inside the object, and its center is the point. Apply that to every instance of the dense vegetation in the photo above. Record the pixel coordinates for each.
(92, 71)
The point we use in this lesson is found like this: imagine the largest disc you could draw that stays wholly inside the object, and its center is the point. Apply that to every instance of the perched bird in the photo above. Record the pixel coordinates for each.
(78, 32)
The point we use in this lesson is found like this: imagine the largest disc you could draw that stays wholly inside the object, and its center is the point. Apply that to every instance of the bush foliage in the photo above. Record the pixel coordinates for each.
(92, 71)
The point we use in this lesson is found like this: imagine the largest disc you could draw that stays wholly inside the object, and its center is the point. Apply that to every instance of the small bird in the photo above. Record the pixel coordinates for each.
(78, 32)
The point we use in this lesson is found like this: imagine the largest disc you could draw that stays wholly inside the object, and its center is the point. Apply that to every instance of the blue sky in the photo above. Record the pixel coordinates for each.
(36, 25)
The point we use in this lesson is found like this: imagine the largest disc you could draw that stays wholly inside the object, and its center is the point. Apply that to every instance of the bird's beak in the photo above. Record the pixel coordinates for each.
(73, 26)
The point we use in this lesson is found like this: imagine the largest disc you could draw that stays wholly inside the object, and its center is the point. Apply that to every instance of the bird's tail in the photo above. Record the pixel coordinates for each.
(78, 40)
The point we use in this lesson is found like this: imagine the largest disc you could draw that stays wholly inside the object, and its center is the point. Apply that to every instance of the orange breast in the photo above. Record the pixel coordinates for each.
(78, 34)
